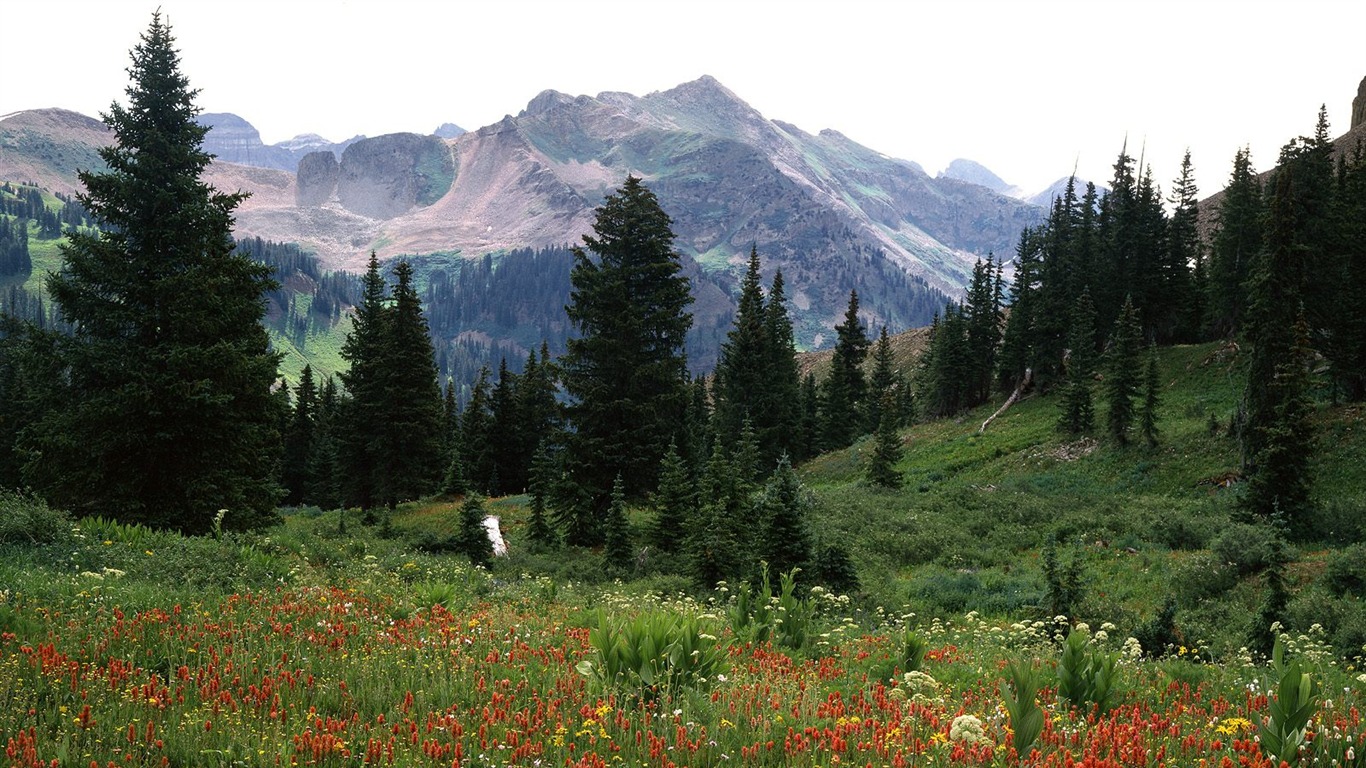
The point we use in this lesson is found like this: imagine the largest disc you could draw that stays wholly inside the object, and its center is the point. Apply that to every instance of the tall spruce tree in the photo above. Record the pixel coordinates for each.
(675, 503)
(409, 443)
(784, 508)
(783, 388)
(1078, 409)
(362, 410)
(299, 439)
(1123, 376)
(162, 413)
(626, 372)
(741, 387)
(886, 450)
(1277, 436)
(844, 389)
(1236, 242)
(1185, 265)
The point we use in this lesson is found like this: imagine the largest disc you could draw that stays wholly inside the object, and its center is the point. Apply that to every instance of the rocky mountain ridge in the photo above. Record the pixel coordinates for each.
(834, 215)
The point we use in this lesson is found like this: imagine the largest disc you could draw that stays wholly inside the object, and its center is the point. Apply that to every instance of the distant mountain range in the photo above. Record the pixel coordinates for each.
(975, 173)
(834, 215)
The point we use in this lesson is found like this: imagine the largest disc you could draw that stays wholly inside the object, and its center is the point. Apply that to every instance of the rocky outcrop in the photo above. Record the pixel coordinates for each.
(388, 175)
(447, 131)
(316, 180)
(1359, 105)
(232, 139)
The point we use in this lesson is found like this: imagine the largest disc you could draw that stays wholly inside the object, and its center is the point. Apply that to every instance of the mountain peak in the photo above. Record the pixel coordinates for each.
(974, 172)
(545, 101)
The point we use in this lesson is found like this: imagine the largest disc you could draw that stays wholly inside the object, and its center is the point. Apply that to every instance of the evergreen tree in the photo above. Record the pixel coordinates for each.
(626, 372)
(539, 532)
(1235, 244)
(1347, 335)
(806, 442)
(1152, 386)
(324, 457)
(1277, 437)
(1122, 375)
(784, 506)
(409, 443)
(882, 379)
(887, 451)
(675, 503)
(162, 413)
(473, 538)
(617, 554)
(1017, 356)
(714, 548)
(1185, 266)
(299, 440)
(783, 387)
(505, 443)
(982, 312)
(1078, 411)
(362, 411)
(741, 373)
(477, 436)
(844, 389)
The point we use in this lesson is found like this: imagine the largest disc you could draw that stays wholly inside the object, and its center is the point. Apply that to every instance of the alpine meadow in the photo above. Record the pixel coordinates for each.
(730, 444)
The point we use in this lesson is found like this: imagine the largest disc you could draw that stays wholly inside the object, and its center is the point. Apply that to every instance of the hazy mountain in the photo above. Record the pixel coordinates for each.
(834, 215)
(976, 173)
(232, 139)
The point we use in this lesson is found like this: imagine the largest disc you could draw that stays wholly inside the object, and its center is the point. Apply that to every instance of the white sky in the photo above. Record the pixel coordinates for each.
(1025, 88)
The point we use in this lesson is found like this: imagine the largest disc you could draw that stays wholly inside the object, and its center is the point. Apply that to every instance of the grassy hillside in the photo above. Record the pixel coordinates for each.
(1140, 525)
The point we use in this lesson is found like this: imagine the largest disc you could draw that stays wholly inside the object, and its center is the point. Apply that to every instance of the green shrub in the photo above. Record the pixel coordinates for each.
(1346, 574)
(1202, 577)
(1249, 547)
(25, 518)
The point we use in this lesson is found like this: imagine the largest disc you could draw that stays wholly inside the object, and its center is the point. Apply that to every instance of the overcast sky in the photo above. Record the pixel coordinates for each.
(1025, 88)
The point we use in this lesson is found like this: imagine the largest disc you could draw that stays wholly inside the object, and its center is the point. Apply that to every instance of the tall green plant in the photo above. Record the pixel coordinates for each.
(1026, 717)
(1297, 696)
(1086, 675)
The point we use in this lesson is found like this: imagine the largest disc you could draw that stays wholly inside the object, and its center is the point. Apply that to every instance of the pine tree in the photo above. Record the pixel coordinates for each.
(1122, 377)
(783, 387)
(675, 503)
(844, 389)
(626, 372)
(324, 457)
(476, 436)
(784, 506)
(299, 439)
(741, 373)
(1078, 410)
(714, 548)
(1234, 248)
(362, 412)
(1277, 437)
(505, 433)
(887, 451)
(409, 442)
(1185, 254)
(617, 554)
(472, 537)
(1152, 386)
(882, 379)
(539, 532)
(163, 412)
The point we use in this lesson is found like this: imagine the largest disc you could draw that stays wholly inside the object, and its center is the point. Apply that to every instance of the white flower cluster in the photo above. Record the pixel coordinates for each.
(967, 728)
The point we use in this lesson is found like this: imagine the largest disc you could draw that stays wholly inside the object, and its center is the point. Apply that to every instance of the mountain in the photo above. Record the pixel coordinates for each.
(232, 139)
(834, 215)
(976, 173)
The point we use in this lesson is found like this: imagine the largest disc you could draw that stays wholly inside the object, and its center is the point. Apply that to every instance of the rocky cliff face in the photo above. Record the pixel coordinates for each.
(316, 179)
(385, 176)
(1359, 105)
(232, 139)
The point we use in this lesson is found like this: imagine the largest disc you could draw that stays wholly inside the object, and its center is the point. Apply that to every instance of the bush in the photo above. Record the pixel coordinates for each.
(1202, 577)
(1346, 574)
(655, 654)
(1250, 547)
(25, 518)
